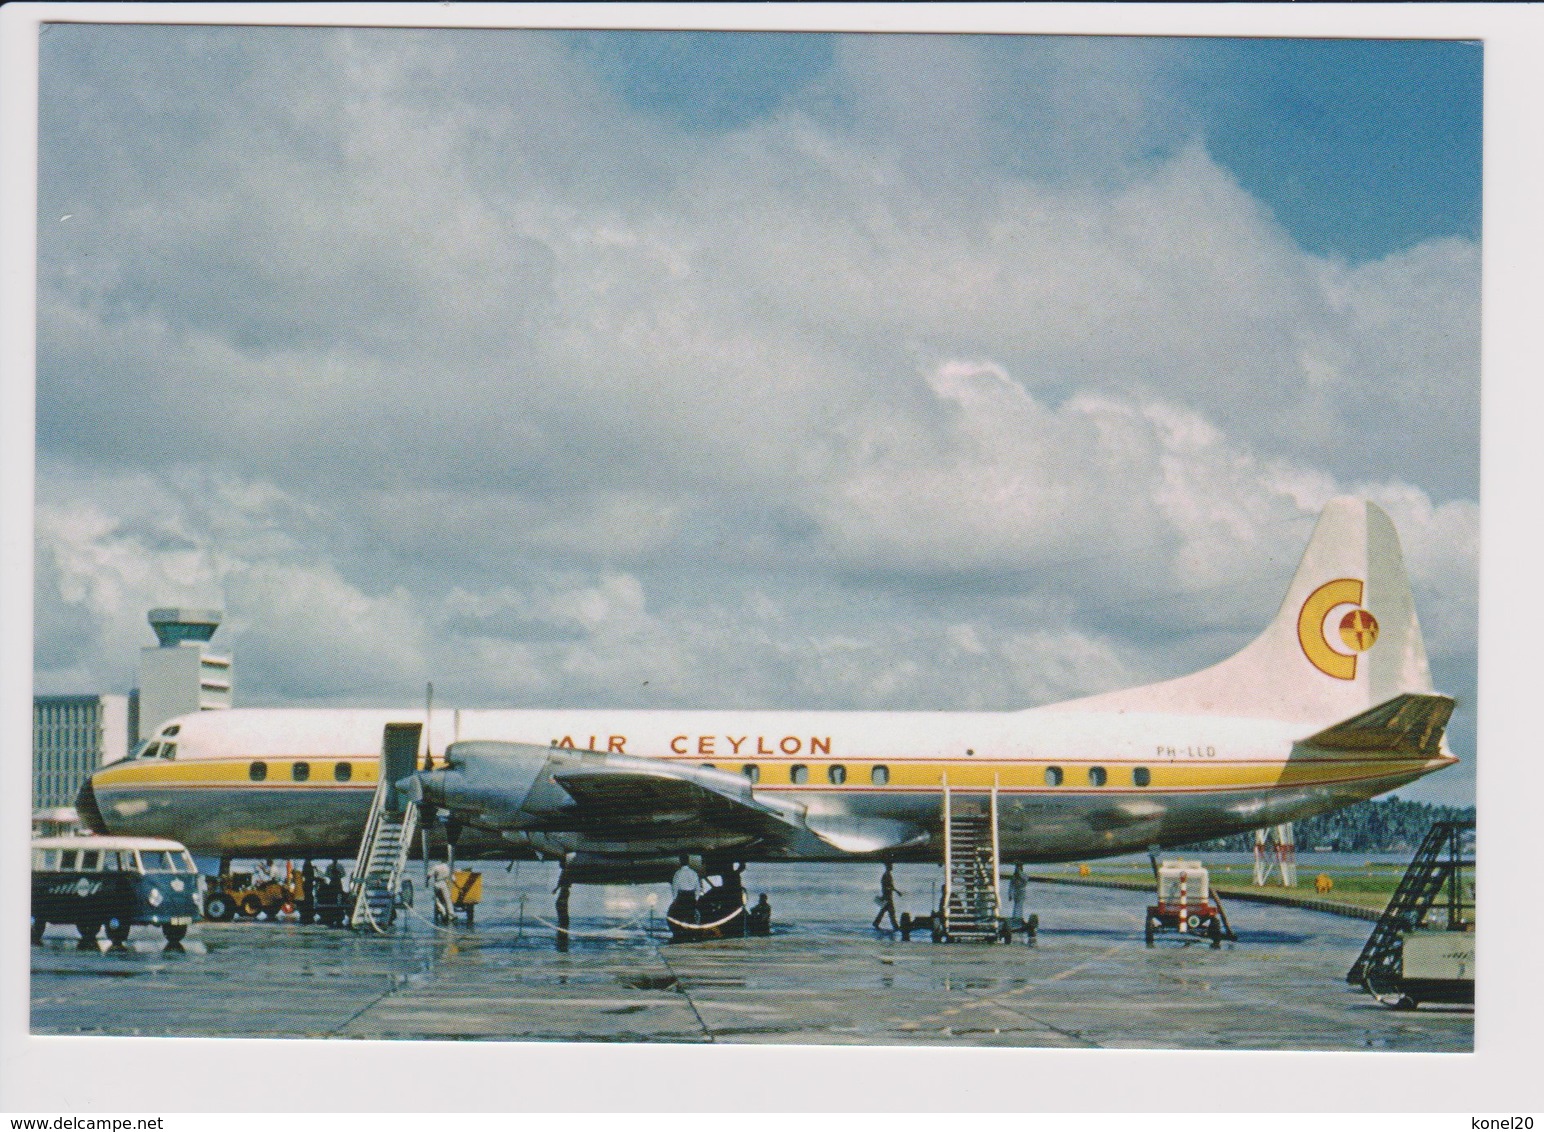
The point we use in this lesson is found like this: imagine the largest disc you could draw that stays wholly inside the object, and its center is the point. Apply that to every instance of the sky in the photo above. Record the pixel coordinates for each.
(743, 370)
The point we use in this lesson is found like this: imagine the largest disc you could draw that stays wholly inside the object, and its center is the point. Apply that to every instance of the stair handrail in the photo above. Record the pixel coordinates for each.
(997, 901)
(948, 843)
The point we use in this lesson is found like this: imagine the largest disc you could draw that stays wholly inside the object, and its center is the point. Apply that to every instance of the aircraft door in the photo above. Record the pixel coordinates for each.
(399, 759)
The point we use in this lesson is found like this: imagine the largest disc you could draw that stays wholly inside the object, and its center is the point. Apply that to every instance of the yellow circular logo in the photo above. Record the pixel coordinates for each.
(1357, 628)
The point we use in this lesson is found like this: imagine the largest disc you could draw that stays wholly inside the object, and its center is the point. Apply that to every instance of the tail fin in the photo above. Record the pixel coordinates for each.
(1345, 639)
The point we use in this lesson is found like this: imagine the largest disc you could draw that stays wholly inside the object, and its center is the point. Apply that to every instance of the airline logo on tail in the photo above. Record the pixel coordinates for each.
(1355, 628)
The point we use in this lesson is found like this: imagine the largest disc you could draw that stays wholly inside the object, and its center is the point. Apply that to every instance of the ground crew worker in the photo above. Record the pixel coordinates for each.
(439, 880)
(887, 894)
(1017, 883)
(685, 884)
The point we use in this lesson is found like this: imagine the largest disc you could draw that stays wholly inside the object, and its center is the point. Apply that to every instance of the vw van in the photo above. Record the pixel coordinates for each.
(98, 882)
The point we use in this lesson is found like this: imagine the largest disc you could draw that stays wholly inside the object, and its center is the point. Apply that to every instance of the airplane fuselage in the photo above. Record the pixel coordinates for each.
(1069, 784)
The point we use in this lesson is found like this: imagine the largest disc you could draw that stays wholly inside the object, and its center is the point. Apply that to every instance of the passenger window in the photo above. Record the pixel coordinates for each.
(51, 859)
(110, 861)
(131, 861)
(1141, 776)
(257, 771)
(39, 859)
(751, 771)
(168, 750)
(1096, 776)
(300, 771)
(90, 861)
(159, 861)
(880, 776)
(185, 863)
(67, 859)
(709, 766)
(837, 774)
(798, 774)
(343, 772)
(1053, 776)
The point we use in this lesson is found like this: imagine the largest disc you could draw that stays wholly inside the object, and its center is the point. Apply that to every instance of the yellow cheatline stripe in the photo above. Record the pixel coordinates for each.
(212, 772)
(903, 774)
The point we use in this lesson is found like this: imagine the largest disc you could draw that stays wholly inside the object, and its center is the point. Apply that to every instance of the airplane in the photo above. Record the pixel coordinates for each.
(1330, 705)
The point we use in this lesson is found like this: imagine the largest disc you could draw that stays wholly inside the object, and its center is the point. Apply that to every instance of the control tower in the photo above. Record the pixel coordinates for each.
(180, 674)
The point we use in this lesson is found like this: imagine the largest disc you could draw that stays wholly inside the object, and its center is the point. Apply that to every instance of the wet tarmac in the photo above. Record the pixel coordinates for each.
(824, 977)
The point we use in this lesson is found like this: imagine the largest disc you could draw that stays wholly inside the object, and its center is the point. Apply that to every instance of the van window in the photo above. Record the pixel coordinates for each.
(90, 860)
(343, 772)
(68, 858)
(50, 858)
(185, 862)
(160, 861)
(300, 771)
(798, 774)
(1141, 776)
(39, 859)
(751, 771)
(257, 771)
(837, 774)
(110, 861)
(1053, 776)
(1096, 776)
(880, 776)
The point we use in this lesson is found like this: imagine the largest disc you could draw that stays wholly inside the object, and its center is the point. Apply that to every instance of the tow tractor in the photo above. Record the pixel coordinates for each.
(1187, 907)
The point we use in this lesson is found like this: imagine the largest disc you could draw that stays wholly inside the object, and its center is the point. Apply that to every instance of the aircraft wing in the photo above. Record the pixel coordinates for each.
(597, 802)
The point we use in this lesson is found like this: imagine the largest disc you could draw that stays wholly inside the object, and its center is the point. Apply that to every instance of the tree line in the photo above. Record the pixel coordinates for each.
(1386, 825)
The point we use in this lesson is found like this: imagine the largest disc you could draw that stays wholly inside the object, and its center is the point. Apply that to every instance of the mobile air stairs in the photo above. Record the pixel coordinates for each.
(1422, 948)
(379, 882)
(971, 908)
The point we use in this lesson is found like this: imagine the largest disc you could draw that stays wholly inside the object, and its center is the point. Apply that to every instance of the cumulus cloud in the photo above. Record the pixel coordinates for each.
(963, 376)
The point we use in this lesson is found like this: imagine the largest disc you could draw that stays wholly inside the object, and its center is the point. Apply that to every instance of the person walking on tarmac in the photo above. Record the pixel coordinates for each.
(887, 894)
(1017, 883)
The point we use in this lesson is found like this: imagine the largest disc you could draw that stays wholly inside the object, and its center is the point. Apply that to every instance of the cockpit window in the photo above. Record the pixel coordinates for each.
(168, 750)
(150, 751)
(168, 732)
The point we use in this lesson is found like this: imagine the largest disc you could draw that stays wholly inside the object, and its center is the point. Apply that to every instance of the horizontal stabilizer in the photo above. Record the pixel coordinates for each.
(1412, 723)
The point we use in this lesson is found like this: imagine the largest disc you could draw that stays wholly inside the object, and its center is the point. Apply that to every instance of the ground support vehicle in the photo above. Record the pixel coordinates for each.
(235, 893)
(718, 913)
(113, 882)
(1186, 906)
(466, 891)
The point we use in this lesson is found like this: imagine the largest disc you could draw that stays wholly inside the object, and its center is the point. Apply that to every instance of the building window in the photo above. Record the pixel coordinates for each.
(257, 771)
(798, 774)
(1096, 776)
(1141, 776)
(343, 772)
(300, 771)
(1053, 776)
(751, 771)
(837, 774)
(880, 776)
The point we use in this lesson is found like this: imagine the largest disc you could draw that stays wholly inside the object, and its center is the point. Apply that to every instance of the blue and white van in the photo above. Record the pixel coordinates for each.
(99, 882)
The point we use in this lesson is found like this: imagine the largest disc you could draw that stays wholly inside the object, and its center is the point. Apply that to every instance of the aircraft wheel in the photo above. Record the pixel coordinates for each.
(251, 905)
(220, 907)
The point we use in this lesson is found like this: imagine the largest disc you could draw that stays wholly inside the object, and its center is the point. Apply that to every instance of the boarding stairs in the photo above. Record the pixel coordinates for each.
(970, 906)
(380, 866)
(1442, 867)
